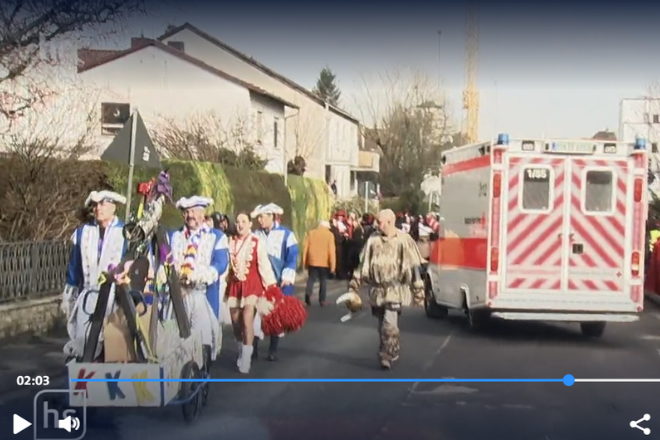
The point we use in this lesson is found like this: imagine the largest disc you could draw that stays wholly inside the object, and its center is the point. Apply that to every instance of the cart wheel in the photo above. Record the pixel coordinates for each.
(188, 392)
(207, 371)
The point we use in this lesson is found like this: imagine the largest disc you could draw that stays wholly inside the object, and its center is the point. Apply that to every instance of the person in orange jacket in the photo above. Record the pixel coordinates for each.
(320, 259)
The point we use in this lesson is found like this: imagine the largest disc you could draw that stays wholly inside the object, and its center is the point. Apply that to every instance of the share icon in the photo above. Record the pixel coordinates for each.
(635, 424)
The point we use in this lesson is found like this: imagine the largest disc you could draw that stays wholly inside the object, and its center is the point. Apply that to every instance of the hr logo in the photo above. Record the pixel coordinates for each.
(55, 419)
(52, 416)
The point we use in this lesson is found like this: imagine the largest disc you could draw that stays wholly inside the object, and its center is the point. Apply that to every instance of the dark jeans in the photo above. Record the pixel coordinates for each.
(321, 274)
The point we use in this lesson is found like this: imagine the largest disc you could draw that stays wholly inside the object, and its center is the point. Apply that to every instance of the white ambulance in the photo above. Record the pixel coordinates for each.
(547, 230)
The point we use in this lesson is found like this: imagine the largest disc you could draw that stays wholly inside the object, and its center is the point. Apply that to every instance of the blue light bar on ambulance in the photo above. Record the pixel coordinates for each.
(640, 144)
(502, 139)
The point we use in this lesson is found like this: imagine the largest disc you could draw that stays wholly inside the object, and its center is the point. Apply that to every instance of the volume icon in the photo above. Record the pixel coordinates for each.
(69, 423)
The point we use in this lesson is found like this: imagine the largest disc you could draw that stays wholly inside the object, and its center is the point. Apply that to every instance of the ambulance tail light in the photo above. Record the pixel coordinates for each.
(497, 185)
(637, 192)
(494, 259)
(635, 263)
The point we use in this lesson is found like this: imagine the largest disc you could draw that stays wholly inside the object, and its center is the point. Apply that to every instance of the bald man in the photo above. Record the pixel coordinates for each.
(389, 265)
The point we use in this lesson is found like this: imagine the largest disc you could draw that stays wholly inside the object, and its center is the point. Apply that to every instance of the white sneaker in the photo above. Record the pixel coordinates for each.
(246, 359)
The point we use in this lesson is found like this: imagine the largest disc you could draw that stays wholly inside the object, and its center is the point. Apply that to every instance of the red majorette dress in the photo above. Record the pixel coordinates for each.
(251, 282)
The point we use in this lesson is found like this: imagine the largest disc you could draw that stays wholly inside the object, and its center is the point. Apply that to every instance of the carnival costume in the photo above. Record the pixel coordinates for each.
(252, 282)
(200, 257)
(282, 248)
(390, 267)
(94, 251)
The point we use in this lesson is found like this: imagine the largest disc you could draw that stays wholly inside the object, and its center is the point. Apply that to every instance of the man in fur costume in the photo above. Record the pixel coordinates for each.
(389, 265)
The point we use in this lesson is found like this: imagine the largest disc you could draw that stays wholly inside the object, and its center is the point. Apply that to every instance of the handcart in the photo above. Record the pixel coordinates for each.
(189, 360)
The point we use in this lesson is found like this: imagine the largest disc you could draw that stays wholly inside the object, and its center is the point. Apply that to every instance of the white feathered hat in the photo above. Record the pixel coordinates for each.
(256, 212)
(194, 202)
(272, 208)
(104, 196)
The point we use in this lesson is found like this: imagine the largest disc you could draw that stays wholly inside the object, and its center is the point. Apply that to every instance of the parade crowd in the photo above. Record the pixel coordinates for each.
(234, 274)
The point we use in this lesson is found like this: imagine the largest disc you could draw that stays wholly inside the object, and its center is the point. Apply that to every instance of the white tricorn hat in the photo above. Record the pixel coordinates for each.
(194, 202)
(104, 196)
(272, 208)
(256, 212)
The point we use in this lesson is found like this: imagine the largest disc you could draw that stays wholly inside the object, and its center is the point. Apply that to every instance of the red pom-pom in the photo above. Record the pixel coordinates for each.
(288, 315)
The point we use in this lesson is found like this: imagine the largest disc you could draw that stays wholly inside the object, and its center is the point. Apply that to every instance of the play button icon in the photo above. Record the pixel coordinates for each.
(20, 424)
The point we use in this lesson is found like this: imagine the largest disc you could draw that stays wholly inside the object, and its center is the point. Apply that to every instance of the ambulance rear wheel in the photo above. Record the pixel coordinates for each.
(593, 329)
(478, 319)
(432, 309)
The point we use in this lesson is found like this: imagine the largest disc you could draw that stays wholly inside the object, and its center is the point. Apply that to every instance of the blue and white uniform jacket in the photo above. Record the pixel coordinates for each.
(282, 248)
(91, 256)
(212, 260)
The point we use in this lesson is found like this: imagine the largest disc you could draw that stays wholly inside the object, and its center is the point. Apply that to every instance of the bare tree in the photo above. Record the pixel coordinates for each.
(410, 124)
(42, 182)
(27, 26)
(209, 138)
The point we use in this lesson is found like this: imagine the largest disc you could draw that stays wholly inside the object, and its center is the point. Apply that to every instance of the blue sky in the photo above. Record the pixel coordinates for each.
(553, 70)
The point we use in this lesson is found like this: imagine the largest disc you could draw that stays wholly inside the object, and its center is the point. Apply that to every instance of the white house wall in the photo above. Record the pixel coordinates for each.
(343, 141)
(265, 114)
(306, 133)
(636, 120)
(162, 86)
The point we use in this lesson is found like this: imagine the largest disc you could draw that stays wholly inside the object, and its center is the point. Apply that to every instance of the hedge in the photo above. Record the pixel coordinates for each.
(305, 201)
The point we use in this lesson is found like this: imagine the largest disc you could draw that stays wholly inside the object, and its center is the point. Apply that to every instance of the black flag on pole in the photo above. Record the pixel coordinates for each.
(119, 149)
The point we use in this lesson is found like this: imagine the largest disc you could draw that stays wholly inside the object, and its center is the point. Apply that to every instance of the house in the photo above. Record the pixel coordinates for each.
(368, 162)
(640, 118)
(326, 136)
(164, 82)
(604, 135)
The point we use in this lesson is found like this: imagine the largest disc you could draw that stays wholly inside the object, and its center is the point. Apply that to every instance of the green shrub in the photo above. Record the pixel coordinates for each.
(305, 201)
(250, 189)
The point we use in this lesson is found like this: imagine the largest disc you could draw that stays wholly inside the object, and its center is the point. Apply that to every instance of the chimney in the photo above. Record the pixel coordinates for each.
(139, 41)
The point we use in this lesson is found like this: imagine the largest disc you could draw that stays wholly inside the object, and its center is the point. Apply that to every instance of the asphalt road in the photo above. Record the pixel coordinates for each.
(326, 348)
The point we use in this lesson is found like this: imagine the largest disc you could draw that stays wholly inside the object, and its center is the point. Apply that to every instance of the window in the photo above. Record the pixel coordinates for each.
(654, 147)
(276, 133)
(656, 119)
(598, 191)
(536, 189)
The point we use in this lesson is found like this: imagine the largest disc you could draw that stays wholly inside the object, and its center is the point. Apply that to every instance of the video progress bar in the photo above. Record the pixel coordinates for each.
(567, 380)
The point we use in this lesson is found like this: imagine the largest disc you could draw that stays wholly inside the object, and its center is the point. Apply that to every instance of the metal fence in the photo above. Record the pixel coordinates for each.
(32, 268)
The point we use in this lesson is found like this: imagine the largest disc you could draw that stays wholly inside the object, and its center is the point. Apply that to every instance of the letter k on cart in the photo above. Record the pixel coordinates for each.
(82, 386)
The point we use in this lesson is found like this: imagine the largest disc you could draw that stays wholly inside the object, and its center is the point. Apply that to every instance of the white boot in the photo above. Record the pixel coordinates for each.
(246, 359)
(240, 353)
